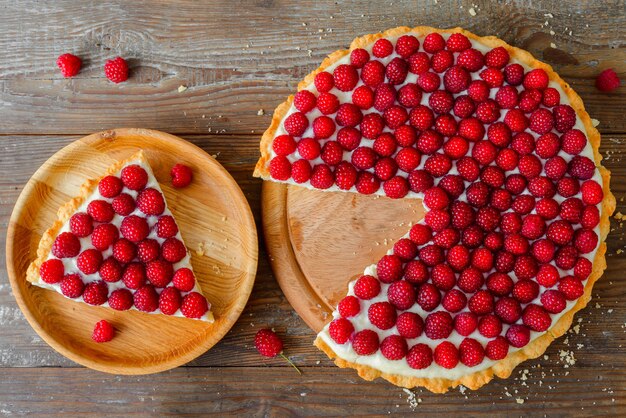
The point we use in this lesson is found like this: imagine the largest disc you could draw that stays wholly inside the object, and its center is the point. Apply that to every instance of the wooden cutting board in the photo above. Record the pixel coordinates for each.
(319, 241)
(216, 224)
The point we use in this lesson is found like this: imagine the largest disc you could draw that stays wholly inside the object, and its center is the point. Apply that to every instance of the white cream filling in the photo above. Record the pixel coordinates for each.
(377, 360)
(70, 264)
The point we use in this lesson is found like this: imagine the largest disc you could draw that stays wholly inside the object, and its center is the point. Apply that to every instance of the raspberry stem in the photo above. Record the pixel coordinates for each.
(291, 363)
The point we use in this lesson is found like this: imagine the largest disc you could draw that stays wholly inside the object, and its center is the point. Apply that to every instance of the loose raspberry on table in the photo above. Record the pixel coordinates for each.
(103, 332)
(69, 65)
(607, 80)
(182, 175)
(116, 70)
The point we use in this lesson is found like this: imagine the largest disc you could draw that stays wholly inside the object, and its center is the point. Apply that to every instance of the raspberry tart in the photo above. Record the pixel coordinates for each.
(505, 160)
(117, 245)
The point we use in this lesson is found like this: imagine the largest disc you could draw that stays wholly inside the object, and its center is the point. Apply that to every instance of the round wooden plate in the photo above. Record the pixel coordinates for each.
(319, 241)
(211, 212)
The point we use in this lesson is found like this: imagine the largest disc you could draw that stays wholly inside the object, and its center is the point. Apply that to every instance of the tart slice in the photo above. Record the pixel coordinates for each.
(505, 159)
(117, 245)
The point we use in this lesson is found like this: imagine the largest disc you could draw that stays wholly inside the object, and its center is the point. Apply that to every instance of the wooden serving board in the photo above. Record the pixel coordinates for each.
(212, 213)
(319, 241)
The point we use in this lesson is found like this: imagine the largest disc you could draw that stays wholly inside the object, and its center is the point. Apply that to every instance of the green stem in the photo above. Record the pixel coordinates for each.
(291, 362)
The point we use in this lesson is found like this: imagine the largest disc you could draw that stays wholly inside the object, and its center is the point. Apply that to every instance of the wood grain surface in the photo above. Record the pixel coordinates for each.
(236, 58)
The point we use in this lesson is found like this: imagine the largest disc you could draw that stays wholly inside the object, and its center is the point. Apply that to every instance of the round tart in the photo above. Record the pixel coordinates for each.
(505, 159)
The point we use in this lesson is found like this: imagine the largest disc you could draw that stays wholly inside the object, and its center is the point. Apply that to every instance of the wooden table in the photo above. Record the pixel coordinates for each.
(238, 60)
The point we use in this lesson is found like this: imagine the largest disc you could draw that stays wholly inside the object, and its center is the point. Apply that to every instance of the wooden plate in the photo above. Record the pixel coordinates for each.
(212, 210)
(319, 241)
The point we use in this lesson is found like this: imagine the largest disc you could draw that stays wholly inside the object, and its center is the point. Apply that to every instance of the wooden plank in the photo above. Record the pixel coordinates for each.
(231, 74)
(259, 391)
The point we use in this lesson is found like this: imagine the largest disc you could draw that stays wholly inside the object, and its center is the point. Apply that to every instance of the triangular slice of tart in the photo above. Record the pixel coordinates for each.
(117, 245)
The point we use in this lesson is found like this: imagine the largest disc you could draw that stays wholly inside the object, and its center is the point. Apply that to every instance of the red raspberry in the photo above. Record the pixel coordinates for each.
(389, 268)
(548, 275)
(365, 342)
(134, 276)
(382, 48)
(169, 300)
(304, 101)
(146, 299)
(428, 297)
(438, 220)
(523, 143)
(525, 267)
(428, 81)
(530, 166)
(586, 240)
(456, 79)
(134, 228)
(571, 287)
(184, 280)
(367, 287)
(456, 147)
(159, 273)
(434, 42)
(458, 257)
(493, 77)
(536, 79)
(507, 97)
(372, 125)
(332, 153)
(373, 73)
(420, 180)
(551, 97)
(438, 325)
(441, 101)
(66, 245)
(382, 315)
(499, 134)
(296, 123)
(590, 217)
(560, 232)
(363, 97)
(446, 355)
(471, 129)
(166, 227)
(322, 177)
(406, 45)
(150, 201)
(323, 81)
(607, 80)
(349, 138)
(471, 59)
(396, 71)
(420, 234)
(529, 100)
(547, 208)
(525, 291)
(566, 257)
(481, 302)
(482, 258)
(555, 168)
(447, 238)
(408, 96)
(367, 183)
(89, 261)
(103, 332)
(573, 141)
(100, 211)
(134, 177)
(471, 352)
(123, 204)
(345, 175)
(472, 236)
(564, 117)
(81, 224)
(465, 323)
(384, 145)
(499, 284)
(508, 309)
(429, 142)
(592, 193)
(454, 301)
(457, 42)
(470, 280)
(443, 277)
(52, 271)
(541, 121)
(409, 325)
(267, 343)
(536, 318)
(419, 356)
(110, 186)
(514, 74)
(441, 61)
(501, 199)
(358, 57)
(487, 218)
(571, 210)
(479, 92)
(121, 300)
(96, 293)
(394, 347)
(385, 168)
(395, 116)
(419, 63)
(348, 306)
(405, 249)
(582, 268)
(384, 97)
(116, 70)
(416, 272)
(69, 65)
(553, 301)
(468, 168)
(543, 250)
(327, 103)
(497, 57)
(182, 175)
(308, 148)
(396, 188)
(518, 335)
(110, 270)
(173, 250)
(453, 184)
(516, 120)
(463, 107)
(345, 77)
(72, 286)
(340, 330)
(568, 187)
(422, 118)
(497, 349)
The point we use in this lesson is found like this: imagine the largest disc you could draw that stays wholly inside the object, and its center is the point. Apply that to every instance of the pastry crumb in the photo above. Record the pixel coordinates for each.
(595, 122)
(182, 88)
(472, 11)
(519, 400)
(260, 112)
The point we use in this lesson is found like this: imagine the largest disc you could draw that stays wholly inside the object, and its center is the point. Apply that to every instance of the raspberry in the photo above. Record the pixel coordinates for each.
(497, 57)
(457, 42)
(465, 323)
(382, 48)
(348, 306)
(321, 177)
(543, 250)
(396, 71)
(553, 301)
(405, 249)
(471, 352)
(525, 291)
(497, 349)
(420, 180)
(573, 141)
(564, 117)
(566, 257)
(582, 268)
(394, 347)
(373, 73)
(340, 330)
(72, 286)
(456, 79)
(442, 60)
(146, 299)
(100, 211)
(541, 121)
(514, 74)
(419, 63)
(89, 261)
(150, 201)
(308, 148)
(422, 118)
(134, 228)
(323, 81)
(363, 97)
(359, 57)
(551, 97)
(585, 240)
(516, 120)
(433, 42)
(555, 168)
(134, 276)
(481, 302)
(443, 277)
(590, 217)
(419, 356)
(536, 79)
(487, 218)
(384, 97)
(507, 97)
(166, 227)
(110, 270)
(508, 310)
(463, 107)
(365, 342)
(447, 238)
(441, 101)
(518, 335)
(69, 65)
(523, 204)
(110, 186)
(327, 103)
(81, 224)
(367, 287)
(471, 59)
(456, 147)
(438, 325)
(428, 81)
(499, 284)
(560, 232)
(406, 45)
(103, 332)
(478, 91)
(471, 129)
(385, 168)
(296, 123)
(607, 80)
(428, 297)
(408, 96)
(123, 204)
(458, 257)
(453, 185)
(468, 168)
(547, 208)
(304, 101)
(395, 116)
(134, 177)
(173, 250)
(159, 273)
(536, 318)
(409, 325)
(121, 300)
(349, 138)
(493, 77)
(571, 287)
(438, 220)
(429, 142)
(372, 125)
(446, 355)
(116, 70)
(267, 343)
(96, 293)
(182, 175)
(367, 183)
(470, 280)
(592, 193)
(184, 280)
(332, 153)
(345, 175)
(454, 301)
(52, 271)
(482, 258)
(548, 275)
(396, 188)
(384, 145)
(169, 300)
(345, 77)
(66, 245)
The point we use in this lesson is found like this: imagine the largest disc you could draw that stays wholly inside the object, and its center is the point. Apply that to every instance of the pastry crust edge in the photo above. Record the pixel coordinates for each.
(503, 368)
